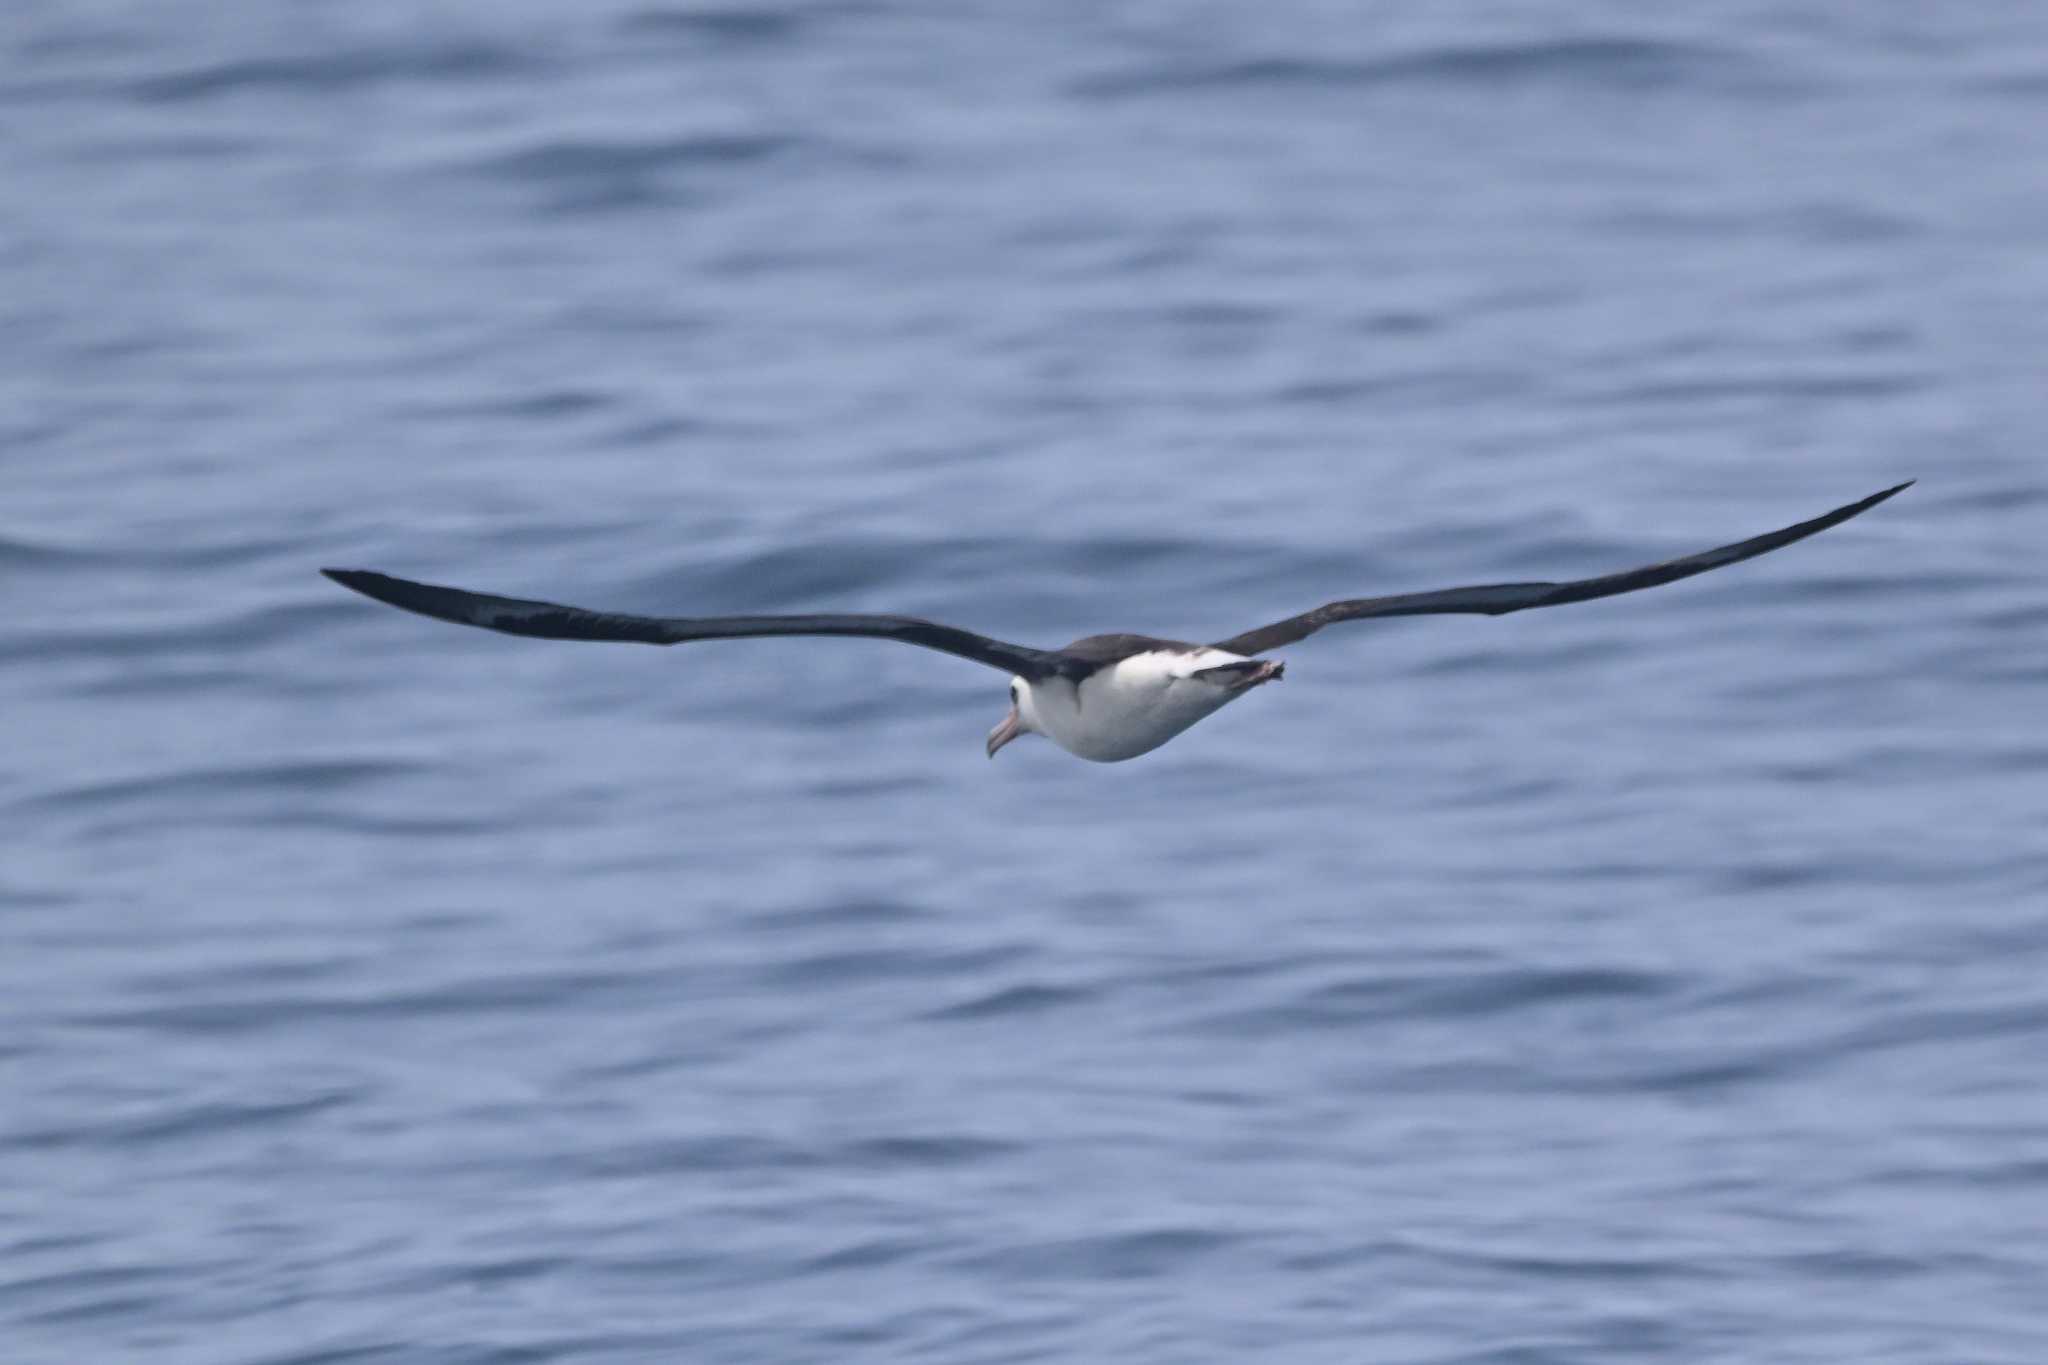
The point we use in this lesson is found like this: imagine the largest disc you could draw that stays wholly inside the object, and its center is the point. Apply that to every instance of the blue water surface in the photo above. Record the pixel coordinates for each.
(1658, 980)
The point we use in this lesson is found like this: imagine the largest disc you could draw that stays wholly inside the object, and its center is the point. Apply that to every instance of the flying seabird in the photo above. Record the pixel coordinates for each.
(1105, 697)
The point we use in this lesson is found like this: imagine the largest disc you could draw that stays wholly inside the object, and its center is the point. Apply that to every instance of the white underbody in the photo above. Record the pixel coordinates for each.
(1131, 707)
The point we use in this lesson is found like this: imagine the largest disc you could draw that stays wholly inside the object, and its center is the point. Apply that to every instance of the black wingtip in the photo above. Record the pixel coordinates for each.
(380, 586)
(1865, 504)
(358, 579)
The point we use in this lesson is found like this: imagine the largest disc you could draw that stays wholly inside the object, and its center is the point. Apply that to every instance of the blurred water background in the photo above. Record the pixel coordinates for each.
(1664, 979)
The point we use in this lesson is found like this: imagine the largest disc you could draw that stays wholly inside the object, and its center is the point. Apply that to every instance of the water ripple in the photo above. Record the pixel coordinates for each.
(1644, 981)
(733, 27)
(499, 994)
(1359, 1000)
(1147, 1253)
(1628, 65)
(335, 72)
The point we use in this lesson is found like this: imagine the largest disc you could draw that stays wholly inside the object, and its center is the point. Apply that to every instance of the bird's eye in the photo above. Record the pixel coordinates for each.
(1016, 692)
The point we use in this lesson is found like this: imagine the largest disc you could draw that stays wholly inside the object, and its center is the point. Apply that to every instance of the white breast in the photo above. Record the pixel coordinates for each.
(1131, 707)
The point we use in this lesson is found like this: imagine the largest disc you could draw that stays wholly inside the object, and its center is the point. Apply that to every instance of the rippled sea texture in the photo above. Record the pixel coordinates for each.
(1662, 979)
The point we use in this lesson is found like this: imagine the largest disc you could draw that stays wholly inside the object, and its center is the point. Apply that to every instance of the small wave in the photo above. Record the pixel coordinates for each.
(576, 158)
(924, 1150)
(849, 912)
(1502, 662)
(867, 785)
(1495, 992)
(173, 788)
(1685, 1077)
(1858, 1265)
(90, 1295)
(255, 1013)
(547, 405)
(596, 173)
(169, 680)
(1691, 393)
(1140, 1254)
(2021, 85)
(1831, 223)
(1441, 386)
(213, 637)
(866, 1254)
(1031, 998)
(193, 1120)
(1915, 1028)
(1464, 995)
(804, 576)
(1551, 1263)
(734, 27)
(24, 554)
(884, 964)
(1616, 64)
(163, 146)
(18, 896)
(326, 73)
(81, 41)
(702, 1152)
(380, 1354)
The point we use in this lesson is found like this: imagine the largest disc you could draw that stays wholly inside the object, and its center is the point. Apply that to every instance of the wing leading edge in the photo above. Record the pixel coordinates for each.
(1497, 599)
(553, 621)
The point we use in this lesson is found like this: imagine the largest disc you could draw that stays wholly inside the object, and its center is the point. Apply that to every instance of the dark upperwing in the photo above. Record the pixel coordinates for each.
(1497, 599)
(552, 621)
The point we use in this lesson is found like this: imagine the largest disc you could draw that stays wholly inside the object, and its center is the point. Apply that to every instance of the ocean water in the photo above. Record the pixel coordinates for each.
(1662, 979)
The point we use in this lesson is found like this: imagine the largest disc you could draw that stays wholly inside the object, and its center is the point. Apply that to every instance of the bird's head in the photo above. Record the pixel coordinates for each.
(1022, 720)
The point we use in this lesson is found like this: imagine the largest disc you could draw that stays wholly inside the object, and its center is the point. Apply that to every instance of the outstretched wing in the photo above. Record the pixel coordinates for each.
(1497, 599)
(551, 621)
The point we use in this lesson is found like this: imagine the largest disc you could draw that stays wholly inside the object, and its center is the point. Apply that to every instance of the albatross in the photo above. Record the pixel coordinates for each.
(1105, 698)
